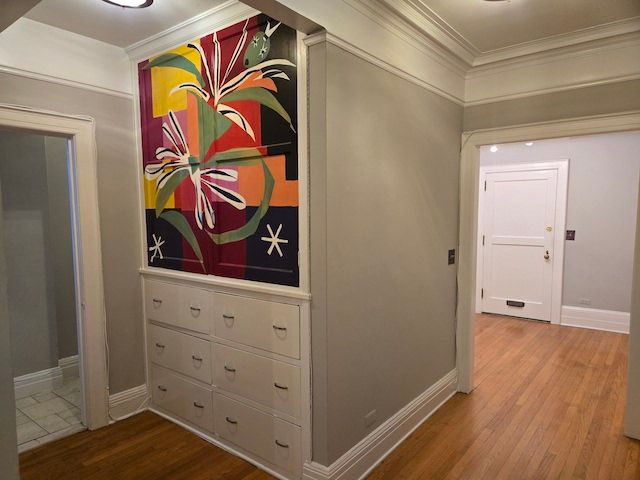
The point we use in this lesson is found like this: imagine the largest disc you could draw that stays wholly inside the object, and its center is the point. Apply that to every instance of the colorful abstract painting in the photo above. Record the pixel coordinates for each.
(218, 119)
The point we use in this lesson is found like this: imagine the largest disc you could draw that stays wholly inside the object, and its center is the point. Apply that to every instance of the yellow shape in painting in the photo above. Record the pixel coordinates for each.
(150, 193)
(165, 79)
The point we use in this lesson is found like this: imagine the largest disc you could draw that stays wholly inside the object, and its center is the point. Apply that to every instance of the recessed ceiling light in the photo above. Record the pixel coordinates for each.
(493, 149)
(528, 144)
(130, 3)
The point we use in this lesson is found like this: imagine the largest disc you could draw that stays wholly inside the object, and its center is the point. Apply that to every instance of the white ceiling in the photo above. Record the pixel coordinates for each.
(494, 25)
(115, 25)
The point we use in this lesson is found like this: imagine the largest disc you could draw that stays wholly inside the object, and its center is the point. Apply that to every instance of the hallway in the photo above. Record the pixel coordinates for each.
(548, 404)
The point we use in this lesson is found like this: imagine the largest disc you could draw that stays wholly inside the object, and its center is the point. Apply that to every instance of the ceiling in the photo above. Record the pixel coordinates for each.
(489, 26)
(116, 25)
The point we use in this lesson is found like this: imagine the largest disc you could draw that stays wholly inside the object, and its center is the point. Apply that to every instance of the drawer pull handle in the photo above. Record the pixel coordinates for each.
(281, 329)
(161, 388)
(229, 369)
(157, 301)
(228, 317)
(281, 387)
(283, 445)
(198, 405)
(196, 358)
(159, 345)
(231, 421)
(194, 309)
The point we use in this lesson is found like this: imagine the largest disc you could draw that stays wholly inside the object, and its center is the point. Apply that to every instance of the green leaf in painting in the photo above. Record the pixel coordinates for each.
(181, 224)
(176, 61)
(262, 96)
(245, 156)
(168, 188)
(211, 125)
(251, 226)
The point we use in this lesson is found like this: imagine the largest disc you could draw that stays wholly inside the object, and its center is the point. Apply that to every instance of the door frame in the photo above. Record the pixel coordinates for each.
(87, 253)
(562, 167)
(468, 221)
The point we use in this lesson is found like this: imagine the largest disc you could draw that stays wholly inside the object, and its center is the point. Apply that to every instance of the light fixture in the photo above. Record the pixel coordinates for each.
(493, 149)
(129, 3)
(528, 144)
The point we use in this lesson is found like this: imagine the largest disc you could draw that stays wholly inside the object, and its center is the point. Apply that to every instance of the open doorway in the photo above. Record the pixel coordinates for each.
(556, 229)
(41, 291)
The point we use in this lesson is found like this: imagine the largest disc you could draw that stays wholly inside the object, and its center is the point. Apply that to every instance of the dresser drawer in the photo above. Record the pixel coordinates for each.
(183, 353)
(269, 382)
(266, 436)
(183, 398)
(181, 306)
(270, 326)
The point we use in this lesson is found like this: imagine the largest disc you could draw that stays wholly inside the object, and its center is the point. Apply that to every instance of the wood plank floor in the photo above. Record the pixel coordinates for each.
(549, 404)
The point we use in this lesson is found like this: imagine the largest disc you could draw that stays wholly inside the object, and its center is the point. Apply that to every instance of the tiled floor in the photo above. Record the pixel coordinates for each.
(47, 416)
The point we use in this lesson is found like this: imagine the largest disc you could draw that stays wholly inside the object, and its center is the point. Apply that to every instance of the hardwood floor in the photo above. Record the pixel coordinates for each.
(144, 447)
(549, 404)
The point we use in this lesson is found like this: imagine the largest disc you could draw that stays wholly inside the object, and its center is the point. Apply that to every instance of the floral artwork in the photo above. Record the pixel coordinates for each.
(219, 141)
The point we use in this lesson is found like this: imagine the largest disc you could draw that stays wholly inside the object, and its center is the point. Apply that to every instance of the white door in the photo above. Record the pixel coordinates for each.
(519, 218)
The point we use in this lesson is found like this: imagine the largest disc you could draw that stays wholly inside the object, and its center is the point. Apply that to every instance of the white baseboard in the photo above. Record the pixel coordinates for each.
(69, 366)
(125, 404)
(42, 381)
(595, 319)
(358, 462)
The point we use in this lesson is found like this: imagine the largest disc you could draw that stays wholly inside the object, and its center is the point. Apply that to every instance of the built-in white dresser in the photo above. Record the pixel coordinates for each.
(233, 367)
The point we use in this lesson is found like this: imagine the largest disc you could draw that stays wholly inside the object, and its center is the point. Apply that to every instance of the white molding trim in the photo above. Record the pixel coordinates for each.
(128, 403)
(366, 56)
(358, 462)
(468, 226)
(41, 381)
(90, 306)
(69, 366)
(63, 81)
(562, 190)
(595, 319)
(598, 32)
(220, 16)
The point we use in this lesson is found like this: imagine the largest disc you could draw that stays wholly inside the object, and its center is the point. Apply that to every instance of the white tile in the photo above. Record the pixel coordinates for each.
(29, 431)
(71, 416)
(25, 402)
(21, 419)
(67, 389)
(44, 396)
(52, 423)
(44, 409)
(28, 446)
(73, 398)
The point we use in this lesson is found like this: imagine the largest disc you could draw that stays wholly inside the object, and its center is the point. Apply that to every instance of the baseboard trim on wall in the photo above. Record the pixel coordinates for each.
(36, 382)
(373, 449)
(128, 403)
(69, 366)
(608, 320)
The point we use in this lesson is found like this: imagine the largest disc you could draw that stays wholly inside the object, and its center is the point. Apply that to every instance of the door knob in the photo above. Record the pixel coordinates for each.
(546, 255)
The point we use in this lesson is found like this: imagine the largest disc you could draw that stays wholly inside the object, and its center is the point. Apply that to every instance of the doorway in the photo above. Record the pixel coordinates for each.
(41, 293)
(469, 183)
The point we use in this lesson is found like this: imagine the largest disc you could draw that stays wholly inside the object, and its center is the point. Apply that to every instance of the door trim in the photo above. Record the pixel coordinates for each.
(468, 221)
(562, 167)
(87, 253)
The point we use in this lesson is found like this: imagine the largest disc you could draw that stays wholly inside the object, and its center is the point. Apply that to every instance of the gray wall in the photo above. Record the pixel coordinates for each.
(60, 246)
(118, 203)
(579, 102)
(601, 208)
(32, 308)
(384, 212)
(8, 437)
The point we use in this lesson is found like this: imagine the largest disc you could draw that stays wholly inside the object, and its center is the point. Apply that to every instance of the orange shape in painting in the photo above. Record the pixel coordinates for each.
(251, 184)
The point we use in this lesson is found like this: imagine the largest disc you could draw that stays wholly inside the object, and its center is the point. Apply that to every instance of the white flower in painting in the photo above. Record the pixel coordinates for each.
(274, 240)
(156, 248)
(177, 162)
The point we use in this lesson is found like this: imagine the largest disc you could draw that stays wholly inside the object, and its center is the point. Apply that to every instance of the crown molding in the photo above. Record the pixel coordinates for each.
(223, 15)
(599, 32)
(386, 16)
